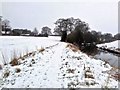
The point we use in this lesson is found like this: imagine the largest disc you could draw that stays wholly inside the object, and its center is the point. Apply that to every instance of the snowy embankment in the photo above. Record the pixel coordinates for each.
(111, 46)
(58, 65)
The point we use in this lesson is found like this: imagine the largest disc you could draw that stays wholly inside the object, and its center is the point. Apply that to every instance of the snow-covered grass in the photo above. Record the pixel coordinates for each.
(16, 46)
(55, 65)
(115, 45)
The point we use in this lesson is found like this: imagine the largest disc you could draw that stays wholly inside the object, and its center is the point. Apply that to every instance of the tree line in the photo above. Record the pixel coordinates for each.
(7, 30)
(77, 31)
(70, 29)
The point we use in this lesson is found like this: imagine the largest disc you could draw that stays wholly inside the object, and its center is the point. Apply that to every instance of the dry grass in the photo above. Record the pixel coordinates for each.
(41, 49)
(116, 76)
(6, 74)
(14, 59)
(114, 72)
(14, 62)
(71, 71)
(4, 59)
(74, 48)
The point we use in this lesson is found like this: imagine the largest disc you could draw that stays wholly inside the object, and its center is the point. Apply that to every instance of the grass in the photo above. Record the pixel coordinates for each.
(15, 58)
(71, 71)
(6, 74)
(14, 62)
(4, 59)
(72, 47)
(41, 49)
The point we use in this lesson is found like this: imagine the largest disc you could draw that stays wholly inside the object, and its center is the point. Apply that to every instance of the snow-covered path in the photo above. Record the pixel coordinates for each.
(59, 67)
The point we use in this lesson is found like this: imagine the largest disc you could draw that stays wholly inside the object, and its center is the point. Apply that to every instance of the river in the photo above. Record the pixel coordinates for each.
(112, 59)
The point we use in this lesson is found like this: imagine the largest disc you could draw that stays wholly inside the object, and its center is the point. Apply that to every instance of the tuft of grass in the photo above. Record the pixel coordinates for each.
(116, 76)
(14, 62)
(4, 60)
(41, 49)
(33, 61)
(17, 70)
(71, 71)
(6, 74)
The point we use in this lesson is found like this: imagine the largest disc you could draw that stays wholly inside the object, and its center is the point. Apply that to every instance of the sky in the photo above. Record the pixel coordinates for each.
(101, 15)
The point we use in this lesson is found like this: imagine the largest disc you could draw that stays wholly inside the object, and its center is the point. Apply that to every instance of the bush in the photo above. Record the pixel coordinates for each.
(43, 35)
(76, 37)
(71, 38)
(14, 62)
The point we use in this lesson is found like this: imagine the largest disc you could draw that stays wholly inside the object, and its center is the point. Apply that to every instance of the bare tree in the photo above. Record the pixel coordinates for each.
(35, 31)
(6, 26)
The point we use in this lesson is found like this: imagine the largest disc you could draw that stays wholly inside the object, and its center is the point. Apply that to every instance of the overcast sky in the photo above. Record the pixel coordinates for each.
(101, 16)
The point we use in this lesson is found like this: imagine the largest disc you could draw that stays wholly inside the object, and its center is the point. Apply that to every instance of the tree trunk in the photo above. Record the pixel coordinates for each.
(64, 36)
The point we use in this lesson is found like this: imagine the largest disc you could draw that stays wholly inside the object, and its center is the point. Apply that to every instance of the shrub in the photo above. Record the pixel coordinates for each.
(14, 62)
(6, 74)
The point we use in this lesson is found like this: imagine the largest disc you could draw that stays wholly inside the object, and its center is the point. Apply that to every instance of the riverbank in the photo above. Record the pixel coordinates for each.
(55, 65)
(113, 47)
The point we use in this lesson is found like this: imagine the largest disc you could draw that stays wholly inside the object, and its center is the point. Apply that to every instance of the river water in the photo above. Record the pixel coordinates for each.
(112, 59)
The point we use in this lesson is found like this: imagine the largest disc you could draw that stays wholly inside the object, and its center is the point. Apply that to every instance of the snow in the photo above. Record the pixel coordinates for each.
(111, 45)
(55, 67)
(19, 45)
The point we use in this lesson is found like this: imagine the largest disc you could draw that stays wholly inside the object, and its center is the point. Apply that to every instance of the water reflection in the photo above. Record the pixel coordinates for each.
(112, 59)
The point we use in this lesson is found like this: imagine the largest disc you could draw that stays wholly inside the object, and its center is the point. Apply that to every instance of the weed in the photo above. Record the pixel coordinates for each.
(17, 70)
(4, 60)
(33, 61)
(41, 49)
(6, 74)
(14, 62)
(71, 71)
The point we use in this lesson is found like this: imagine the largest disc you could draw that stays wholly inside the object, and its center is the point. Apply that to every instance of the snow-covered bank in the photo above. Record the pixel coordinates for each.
(60, 65)
(115, 45)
